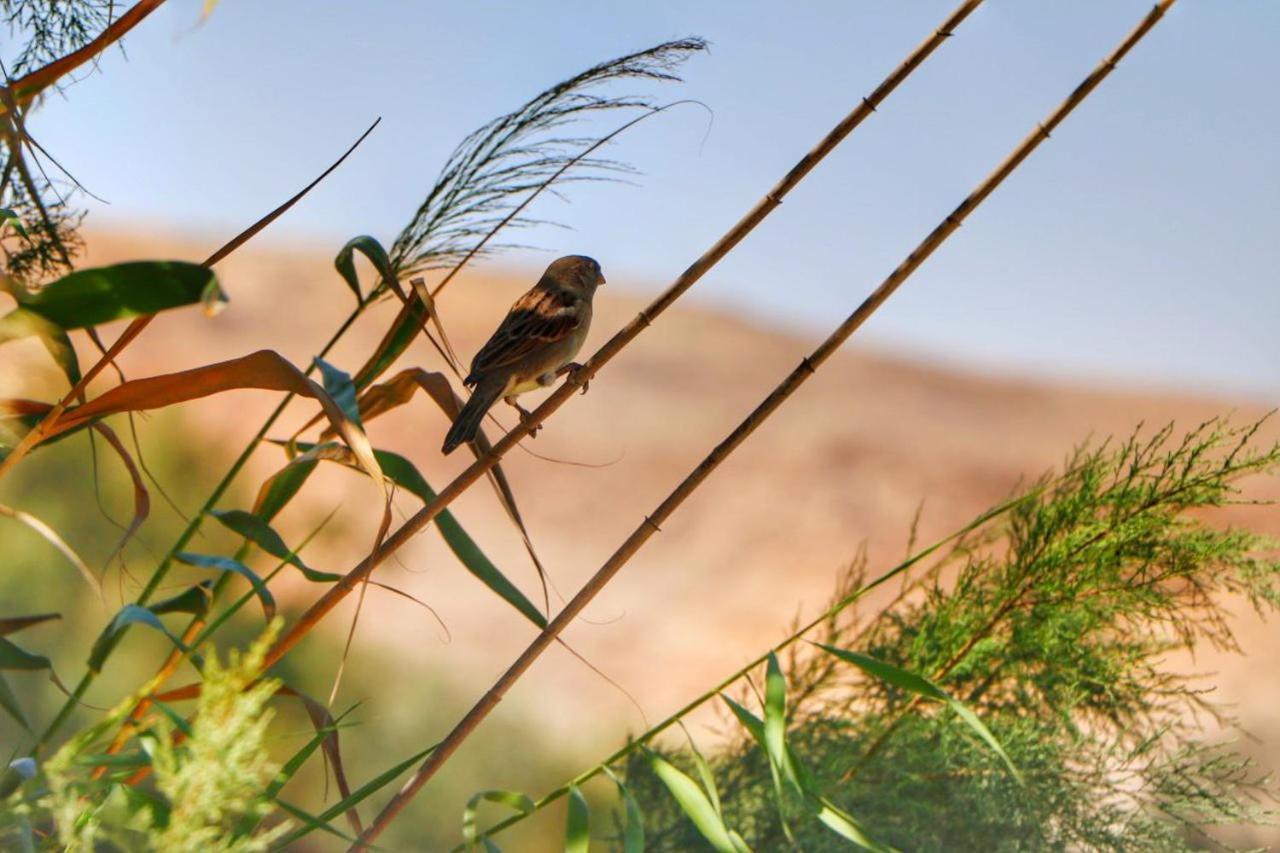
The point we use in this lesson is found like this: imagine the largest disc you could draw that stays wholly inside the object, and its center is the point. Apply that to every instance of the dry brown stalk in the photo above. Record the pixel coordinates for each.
(614, 345)
(807, 367)
(29, 85)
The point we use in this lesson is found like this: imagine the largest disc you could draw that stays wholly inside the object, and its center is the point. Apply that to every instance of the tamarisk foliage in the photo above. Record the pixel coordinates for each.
(1054, 626)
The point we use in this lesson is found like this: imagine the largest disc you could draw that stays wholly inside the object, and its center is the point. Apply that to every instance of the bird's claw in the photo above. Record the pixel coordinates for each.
(574, 371)
(525, 417)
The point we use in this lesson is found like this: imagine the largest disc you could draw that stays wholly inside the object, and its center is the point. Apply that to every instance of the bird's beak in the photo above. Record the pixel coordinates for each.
(602, 281)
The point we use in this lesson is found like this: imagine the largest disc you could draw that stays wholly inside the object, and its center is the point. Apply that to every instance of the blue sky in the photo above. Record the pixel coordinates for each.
(1140, 244)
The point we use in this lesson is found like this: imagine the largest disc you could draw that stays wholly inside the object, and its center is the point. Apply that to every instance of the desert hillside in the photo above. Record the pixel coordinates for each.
(845, 465)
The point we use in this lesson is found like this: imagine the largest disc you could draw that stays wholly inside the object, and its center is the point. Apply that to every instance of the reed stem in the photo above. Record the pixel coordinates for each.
(807, 367)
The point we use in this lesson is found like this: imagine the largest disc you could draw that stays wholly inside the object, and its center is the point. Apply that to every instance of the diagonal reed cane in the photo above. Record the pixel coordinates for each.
(807, 367)
(334, 595)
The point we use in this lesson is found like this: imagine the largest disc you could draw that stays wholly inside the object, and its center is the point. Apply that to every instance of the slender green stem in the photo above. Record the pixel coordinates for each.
(162, 570)
(835, 609)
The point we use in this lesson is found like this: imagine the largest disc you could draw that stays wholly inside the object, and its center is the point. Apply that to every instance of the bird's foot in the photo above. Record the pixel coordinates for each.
(525, 417)
(575, 373)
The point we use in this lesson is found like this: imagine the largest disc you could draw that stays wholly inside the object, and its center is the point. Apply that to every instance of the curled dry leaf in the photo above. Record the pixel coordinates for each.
(141, 497)
(264, 369)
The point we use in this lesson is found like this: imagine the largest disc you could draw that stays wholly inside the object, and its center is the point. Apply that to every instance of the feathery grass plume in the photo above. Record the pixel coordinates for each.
(218, 775)
(1054, 629)
(516, 153)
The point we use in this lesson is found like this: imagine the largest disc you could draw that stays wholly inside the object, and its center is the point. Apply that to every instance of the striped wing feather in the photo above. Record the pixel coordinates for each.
(541, 317)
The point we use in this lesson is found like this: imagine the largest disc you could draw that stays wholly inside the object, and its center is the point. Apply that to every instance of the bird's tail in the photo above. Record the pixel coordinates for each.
(468, 421)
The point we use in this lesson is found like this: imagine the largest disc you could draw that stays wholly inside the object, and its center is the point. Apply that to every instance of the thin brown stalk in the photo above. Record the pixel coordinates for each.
(29, 85)
(614, 345)
(135, 328)
(807, 367)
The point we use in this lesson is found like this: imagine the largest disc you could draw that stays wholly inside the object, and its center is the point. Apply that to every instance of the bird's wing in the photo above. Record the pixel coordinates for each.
(541, 317)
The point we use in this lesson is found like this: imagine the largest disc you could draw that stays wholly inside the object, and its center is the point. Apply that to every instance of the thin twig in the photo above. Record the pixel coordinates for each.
(807, 367)
(29, 85)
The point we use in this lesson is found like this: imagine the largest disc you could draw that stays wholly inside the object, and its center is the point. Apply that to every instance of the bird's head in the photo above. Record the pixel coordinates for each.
(577, 272)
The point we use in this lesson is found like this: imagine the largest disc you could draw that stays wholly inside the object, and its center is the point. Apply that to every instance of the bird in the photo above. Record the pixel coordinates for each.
(533, 346)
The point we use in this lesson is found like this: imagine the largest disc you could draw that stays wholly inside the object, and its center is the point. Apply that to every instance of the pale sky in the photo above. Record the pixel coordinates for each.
(1140, 244)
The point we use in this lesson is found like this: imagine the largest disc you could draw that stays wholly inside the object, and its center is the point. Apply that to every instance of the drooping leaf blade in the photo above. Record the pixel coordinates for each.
(694, 803)
(577, 832)
(345, 264)
(9, 702)
(226, 564)
(405, 475)
(338, 386)
(194, 600)
(130, 614)
(922, 686)
(13, 624)
(99, 295)
(265, 537)
(633, 823)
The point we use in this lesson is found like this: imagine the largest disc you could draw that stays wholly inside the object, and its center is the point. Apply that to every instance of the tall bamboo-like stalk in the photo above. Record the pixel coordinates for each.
(614, 345)
(807, 367)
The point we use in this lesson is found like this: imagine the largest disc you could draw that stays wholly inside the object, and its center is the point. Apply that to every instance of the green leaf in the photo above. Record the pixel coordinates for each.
(338, 386)
(511, 799)
(845, 825)
(102, 294)
(788, 767)
(403, 331)
(633, 825)
(922, 686)
(225, 564)
(9, 702)
(139, 799)
(13, 624)
(312, 822)
(372, 786)
(131, 614)
(13, 656)
(406, 476)
(694, 803)
(346, 265)
(577, 832)
(704, 773)
(194, 600)
(280, 488)
(775, 714)
(264, 536)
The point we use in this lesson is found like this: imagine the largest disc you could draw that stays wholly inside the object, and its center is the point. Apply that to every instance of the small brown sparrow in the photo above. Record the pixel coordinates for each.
(535, 344)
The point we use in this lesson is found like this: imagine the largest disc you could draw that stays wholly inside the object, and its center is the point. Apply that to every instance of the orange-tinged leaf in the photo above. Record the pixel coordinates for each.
(264, 369)
(141, 497)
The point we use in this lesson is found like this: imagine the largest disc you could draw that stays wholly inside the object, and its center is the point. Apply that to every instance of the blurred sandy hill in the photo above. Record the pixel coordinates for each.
(846, 463)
